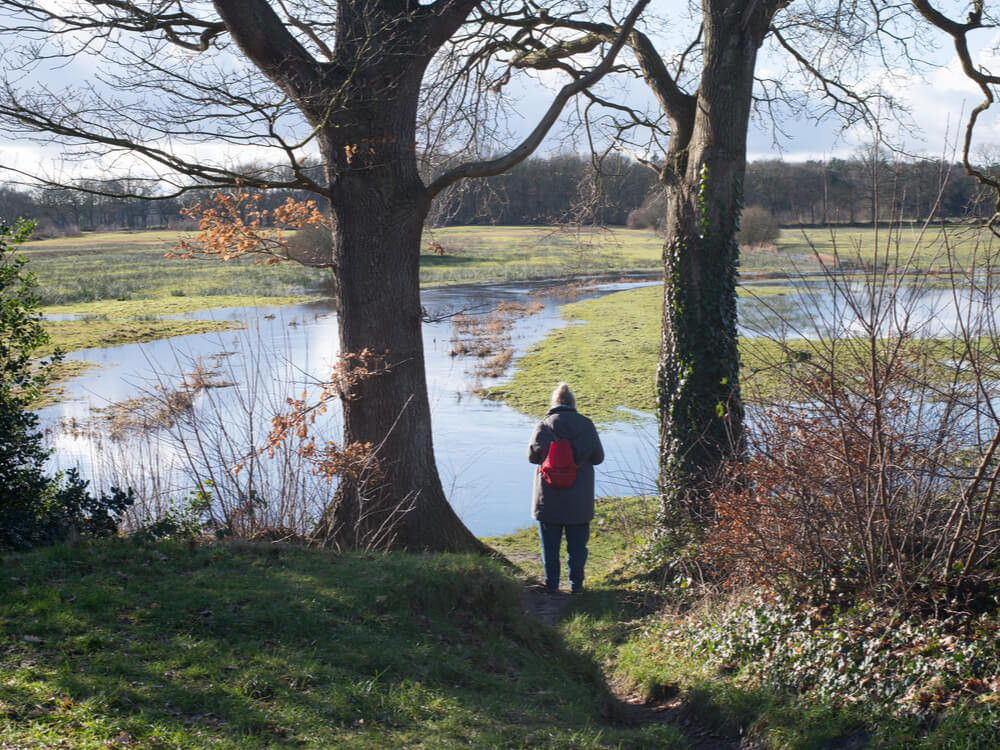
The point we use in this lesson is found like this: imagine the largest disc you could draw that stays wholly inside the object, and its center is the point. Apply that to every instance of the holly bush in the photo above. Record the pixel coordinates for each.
(35, 508)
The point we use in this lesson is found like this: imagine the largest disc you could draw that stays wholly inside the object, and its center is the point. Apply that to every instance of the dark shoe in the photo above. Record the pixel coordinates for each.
(576, 590)
(552, 591)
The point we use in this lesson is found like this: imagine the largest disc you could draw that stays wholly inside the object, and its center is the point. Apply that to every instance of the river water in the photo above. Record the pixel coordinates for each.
(480, 444)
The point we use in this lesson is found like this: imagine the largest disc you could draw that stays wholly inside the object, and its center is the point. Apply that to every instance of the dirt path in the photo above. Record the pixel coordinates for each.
(629, 709)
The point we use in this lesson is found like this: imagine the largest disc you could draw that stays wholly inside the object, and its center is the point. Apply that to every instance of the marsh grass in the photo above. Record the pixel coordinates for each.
(486, 337)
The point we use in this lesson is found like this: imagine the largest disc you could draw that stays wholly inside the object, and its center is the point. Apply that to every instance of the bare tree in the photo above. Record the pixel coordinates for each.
(343, 78)
(978, 18)
(706, 87)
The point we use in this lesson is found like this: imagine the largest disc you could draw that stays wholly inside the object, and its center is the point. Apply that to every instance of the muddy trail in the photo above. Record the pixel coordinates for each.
(630, 709)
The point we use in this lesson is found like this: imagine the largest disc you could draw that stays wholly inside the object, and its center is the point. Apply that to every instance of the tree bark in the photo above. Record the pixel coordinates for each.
(698, 391)
(379, 207)
(363, 106)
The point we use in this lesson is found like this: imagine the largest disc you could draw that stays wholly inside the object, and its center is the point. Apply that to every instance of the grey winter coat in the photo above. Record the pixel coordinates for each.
(565, 505)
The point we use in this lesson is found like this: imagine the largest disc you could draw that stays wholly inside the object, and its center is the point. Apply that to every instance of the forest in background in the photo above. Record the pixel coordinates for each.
(573, 188)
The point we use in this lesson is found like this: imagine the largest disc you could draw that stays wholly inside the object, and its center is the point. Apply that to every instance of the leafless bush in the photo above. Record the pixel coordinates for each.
(757, 226)
(182, 224)
(875, 470)
(311, 245)
(650, 214)
(46, 229)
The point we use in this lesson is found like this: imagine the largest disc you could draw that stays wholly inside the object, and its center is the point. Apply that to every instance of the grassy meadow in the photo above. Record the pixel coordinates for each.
(912, 245)
(175, 644)
(192, 643)
(125, 276)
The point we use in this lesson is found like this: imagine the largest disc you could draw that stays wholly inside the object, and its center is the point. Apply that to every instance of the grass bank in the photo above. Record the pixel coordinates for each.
(258, 645)
(610, 350)
(609, 355)
(120, 643)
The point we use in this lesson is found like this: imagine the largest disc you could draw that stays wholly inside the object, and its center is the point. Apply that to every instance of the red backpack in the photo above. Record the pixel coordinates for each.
(559, 467)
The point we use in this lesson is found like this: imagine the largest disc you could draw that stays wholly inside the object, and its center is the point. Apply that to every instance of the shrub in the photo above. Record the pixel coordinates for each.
(651, 214)
(877, 473)
(311, 245)
(757, 226)
(34, 507)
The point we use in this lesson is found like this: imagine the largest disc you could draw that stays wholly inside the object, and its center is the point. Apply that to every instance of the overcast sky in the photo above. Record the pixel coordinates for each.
(939, 103)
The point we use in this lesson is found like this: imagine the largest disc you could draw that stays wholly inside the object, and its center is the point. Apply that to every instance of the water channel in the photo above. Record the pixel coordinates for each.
(280, 352)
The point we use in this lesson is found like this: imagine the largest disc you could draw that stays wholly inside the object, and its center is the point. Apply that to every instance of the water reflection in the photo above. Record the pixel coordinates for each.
(283, 351)
(280, 353)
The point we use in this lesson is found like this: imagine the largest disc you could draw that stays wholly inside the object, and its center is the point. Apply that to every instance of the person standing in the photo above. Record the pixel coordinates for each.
(567, 505)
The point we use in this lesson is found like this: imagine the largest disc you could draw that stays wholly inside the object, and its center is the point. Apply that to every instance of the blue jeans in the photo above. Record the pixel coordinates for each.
(577, 535)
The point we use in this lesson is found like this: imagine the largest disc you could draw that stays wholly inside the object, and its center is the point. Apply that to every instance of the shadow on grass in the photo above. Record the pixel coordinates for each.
(239, 645)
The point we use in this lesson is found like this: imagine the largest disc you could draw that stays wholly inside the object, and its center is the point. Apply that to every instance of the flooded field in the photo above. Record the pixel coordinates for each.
(156, 415)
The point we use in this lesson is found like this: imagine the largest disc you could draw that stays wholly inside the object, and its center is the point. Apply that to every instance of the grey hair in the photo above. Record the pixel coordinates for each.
(563, 396)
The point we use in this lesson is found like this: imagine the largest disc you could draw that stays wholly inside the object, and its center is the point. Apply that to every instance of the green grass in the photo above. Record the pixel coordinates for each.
(237, 644)
(893, 247)
(510, 253)
(72, 335)
(120, 283)
(134, 266)
(621, 525)
(242, 645)
(609, 356)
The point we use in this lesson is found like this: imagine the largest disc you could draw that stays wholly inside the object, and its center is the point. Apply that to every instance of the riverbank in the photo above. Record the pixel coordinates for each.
(127, 276)
(188, 643)
(609, 354)
(232, 645)
(117, 278)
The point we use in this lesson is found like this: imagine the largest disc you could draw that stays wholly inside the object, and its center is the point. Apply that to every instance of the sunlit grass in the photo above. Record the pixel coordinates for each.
(609, 356)
(258, 645)
(896, 246)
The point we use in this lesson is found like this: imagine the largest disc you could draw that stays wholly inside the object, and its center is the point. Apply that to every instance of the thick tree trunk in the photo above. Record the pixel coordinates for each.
(698, 391)
(379, 206)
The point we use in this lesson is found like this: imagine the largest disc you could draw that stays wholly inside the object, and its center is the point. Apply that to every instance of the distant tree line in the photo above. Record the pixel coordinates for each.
(547, 190)
(844, 190)
(850, 191)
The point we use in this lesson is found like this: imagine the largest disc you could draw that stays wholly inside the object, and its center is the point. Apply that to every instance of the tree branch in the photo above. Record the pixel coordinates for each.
(528, 145)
